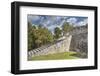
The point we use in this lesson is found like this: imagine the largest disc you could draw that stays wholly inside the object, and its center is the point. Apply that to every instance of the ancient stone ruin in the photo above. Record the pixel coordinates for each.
(79, 41)
(62, 45)
(75, 40)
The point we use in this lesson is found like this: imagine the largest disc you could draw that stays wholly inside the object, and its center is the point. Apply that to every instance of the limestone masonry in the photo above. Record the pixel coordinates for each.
(75, 40)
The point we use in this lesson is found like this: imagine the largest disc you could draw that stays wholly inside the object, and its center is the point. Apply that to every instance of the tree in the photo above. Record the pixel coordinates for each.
(57, 32)
(38, 36)
(66, 28)
(43, 36)
(30, 36)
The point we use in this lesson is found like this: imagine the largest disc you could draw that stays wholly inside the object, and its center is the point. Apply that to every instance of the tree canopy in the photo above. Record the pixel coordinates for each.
(66, 27)
(57, 32)
(38, 35)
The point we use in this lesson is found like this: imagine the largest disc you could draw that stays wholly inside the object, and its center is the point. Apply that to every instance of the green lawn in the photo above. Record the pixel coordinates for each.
(57, 56)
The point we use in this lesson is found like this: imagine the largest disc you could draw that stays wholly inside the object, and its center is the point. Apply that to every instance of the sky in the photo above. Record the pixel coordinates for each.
(50, 21)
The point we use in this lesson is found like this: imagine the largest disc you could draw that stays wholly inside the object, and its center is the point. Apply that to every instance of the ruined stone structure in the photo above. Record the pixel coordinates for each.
(79, 41)
(75, 40)
(61, 45)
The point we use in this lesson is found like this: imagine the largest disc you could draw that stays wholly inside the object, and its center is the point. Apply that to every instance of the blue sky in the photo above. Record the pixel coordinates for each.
(51, 22)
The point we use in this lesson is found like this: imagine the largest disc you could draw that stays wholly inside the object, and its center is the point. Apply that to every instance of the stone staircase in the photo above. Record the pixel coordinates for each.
(59, 46)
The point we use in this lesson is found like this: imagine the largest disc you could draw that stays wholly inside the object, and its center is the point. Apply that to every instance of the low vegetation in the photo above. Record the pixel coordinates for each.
(57, 56)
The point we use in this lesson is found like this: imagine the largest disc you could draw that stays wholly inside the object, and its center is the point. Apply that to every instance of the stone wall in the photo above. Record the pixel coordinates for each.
(79, 42)
(62, 45)
(76, 40)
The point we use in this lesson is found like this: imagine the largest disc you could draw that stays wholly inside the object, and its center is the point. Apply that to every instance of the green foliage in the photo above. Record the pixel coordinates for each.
(56, 56)
(30, 36)
(57, 32)
(38, 36)
(43, 36)
(66, 28)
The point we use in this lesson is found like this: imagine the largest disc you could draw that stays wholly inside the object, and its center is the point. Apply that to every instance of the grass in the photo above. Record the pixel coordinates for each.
(57, 56)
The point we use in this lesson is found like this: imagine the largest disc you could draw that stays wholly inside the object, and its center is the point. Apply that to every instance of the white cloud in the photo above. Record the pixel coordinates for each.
(72, 20)
(33, 18)
(62, 22)
(81, 23)
(52, 27)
